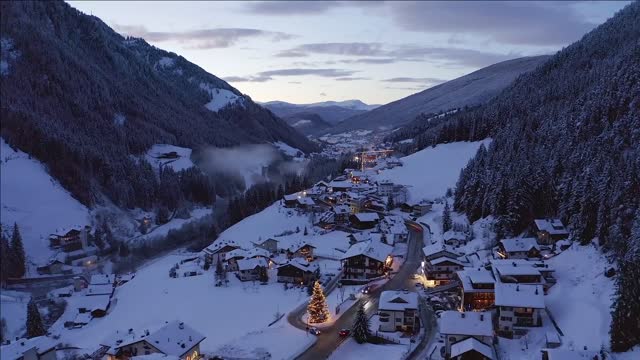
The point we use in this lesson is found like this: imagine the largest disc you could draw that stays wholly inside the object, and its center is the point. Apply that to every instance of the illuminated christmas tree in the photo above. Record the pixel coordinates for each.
(317, 308)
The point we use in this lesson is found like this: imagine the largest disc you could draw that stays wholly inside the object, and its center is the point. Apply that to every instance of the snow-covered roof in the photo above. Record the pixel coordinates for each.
(436, 248)
(360, 236)
(175, 338)
(17, 348)
(398, 300)
(394, 225)
(155, 356)
(91, 303)
(102, 279)
(220, 244)
(519, 244)
(341, 184)
(466, 323)
(552, 226)
(300, 264)
(250, 264)
(516, 269)
(372, 249)
(519, 295)
(291, 197)
(247, 254)
(475, 276)
(299, 245)
(306, 201)
(99, 289)
(341, 209)
(83, 318)
(367, 216)
(444, 259)
(470, 344)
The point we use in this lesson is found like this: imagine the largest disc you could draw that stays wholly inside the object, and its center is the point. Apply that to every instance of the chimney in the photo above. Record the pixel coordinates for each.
(462, 315)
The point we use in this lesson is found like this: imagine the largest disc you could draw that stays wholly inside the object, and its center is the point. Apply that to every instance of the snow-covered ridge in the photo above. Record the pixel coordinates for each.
(35, 201)
(219, 97)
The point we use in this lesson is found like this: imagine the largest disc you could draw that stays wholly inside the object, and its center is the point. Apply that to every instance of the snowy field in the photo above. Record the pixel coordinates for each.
(182, 162)
(351, 350)
(13, 309)
(37, 216)
(429, 172)
(152, 297)
(219, 97)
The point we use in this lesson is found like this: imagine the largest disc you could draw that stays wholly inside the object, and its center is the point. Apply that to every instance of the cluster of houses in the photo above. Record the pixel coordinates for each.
(504, 297)
(93, 296)
(74, 250)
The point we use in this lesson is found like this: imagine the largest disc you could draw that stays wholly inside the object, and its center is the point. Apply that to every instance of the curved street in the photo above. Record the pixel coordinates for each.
(329, 340)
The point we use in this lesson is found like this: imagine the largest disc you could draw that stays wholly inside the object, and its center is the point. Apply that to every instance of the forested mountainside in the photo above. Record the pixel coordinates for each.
(566, 142)
(308, 123)
(82, 99)
(472, 89)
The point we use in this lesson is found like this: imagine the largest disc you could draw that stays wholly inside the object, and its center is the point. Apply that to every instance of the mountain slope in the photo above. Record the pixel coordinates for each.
(83, 99)
(472, 89)
(332, 112)
(308, 123)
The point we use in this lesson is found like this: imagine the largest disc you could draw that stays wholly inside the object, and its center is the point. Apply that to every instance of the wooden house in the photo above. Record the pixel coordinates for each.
(366, 260)
(477, 287)
(297, 271)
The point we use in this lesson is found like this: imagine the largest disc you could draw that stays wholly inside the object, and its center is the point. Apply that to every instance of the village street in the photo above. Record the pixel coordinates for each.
(329, 340)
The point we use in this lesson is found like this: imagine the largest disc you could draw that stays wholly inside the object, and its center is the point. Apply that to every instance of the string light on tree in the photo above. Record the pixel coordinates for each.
(317, 308)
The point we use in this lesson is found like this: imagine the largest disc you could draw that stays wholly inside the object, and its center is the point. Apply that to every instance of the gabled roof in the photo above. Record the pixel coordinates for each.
(306, 201)
(436, 248)
(341, 209)
(445, 259)
(367, 216)
(299, 245)
(470, 344)
(451, 235)
(552, 226)
(470, 323)
(519, 295)
(175, 338)
(250, 264)
(519, 244)
(221, 244)
(17, 348)
(398, 301)
(102, 279)
(99, 289)
(291, 197)
(373, 249)
(91, 303)
(469, 276)
(566, 354)
(299, 264)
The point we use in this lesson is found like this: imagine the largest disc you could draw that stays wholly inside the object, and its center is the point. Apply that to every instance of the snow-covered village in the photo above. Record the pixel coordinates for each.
(455, 221)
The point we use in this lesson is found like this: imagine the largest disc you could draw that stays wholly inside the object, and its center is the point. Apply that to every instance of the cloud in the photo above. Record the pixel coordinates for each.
(516, 22)
(255, 78)
(301, 72)
(428, 80)
(290, 7)
(323, 94)
(203, 38)
(351, 49)
(352, 78)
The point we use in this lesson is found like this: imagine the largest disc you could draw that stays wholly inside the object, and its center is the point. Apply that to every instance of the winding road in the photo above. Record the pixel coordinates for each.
(329, 340)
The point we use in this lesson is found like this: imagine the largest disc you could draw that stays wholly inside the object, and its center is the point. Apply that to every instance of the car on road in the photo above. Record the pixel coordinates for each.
(314, 331)
(344, 332)
(365, 290)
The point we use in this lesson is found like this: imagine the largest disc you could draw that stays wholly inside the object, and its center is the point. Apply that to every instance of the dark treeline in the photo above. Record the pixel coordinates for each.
(82, 99)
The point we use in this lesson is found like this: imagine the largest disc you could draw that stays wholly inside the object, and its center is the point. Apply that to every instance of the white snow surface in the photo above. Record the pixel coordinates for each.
(219, 97)
(351, 350)
(301, 122)
(182, 162)
(429, 172)
(13, 309)
(35, 201)
(286, 148)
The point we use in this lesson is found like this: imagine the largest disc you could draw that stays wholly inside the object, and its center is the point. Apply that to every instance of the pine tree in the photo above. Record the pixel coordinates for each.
(360, 328)
(317, 308)
(34, 321)
(98, 238)
(306, 232)
(5, 257)
(123, 250)
(18, 258)
(446, 217)
(263, 275)
(3, 329)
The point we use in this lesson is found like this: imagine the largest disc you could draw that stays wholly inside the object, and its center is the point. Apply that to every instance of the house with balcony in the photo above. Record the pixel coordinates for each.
(218, 250)
(271, 245)
(519, 305)
(252, 269)
(455, 238)
(297, 271)
(477, 288)
(398, 311)
(364, 221)
(467, 335)
(366, 260)
(442, 270)
(519, 248)
(549, 231)
(301, 249)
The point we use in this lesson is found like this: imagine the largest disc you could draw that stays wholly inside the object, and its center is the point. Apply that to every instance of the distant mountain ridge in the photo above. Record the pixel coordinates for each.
(308, 123)
(471, 89)
(332, 112)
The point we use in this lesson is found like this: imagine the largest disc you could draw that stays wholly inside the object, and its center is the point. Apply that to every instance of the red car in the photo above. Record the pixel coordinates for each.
(344, 332)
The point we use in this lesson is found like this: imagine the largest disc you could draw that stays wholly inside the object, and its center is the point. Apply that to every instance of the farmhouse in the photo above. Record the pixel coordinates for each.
(549, 231)
(342, 213)
(290, 200)
(96, 305)
(398, 311)
(271, 245)
(301, 249)
(217, 251)
(421, 208)
(364, 221)
(366, 260)
(467, 335)
(54, 267)
(520, 248)
(233, 256)
(305, 203)
(36, 348)
(477, 288)
(455, 238)
(518, 305)
(297, 271)
(252, 269)
(173, 339)
(441, 270)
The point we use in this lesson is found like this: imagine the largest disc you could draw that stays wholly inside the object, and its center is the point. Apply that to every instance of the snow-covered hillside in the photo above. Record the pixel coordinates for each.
(219, 97)
(161, 154)
(429, 172)
(36, 202)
